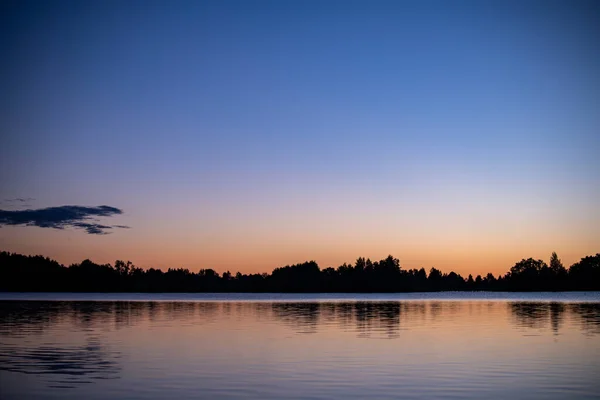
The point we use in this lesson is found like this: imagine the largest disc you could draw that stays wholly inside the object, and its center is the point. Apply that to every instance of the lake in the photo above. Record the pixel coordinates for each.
(298, 346)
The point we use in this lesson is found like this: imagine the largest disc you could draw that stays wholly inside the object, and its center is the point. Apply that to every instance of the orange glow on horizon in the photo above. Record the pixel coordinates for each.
(254, 256)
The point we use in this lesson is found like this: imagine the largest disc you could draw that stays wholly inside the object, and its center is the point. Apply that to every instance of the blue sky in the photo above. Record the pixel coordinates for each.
(212, 123)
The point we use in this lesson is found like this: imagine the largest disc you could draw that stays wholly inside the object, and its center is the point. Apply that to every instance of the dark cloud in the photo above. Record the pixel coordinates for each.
(93, 229)
(62, 217)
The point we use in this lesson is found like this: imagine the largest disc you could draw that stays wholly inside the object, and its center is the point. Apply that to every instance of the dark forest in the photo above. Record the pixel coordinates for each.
(37, 273)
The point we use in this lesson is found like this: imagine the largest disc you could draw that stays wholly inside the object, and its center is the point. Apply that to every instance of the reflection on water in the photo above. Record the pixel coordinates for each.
(27, 347)
(551, 315)
(75, 364)
(299, 349)
(539, 315)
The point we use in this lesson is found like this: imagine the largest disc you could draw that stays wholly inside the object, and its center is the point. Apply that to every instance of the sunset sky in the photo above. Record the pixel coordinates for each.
(247, 135)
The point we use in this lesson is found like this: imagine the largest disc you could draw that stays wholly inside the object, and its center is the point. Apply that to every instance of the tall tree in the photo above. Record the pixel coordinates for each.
(556, 265)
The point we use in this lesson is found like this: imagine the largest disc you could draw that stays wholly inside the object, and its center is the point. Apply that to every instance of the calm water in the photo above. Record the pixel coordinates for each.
(448, 345)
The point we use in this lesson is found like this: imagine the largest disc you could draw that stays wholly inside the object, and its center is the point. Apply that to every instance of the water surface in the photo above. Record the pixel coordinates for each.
(220, 346)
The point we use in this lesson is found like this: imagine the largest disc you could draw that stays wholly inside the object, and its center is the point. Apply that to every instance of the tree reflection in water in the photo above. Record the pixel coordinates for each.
(67, 341)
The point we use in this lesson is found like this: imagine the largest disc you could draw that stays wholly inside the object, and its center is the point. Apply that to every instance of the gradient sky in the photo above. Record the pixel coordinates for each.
(249, 135)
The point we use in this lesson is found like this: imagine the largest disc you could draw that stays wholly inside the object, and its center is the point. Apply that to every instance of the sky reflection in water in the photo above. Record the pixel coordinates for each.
(299, 349)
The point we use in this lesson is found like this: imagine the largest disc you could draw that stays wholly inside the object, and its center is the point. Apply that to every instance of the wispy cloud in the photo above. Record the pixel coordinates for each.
(62, 217)
(19, 200)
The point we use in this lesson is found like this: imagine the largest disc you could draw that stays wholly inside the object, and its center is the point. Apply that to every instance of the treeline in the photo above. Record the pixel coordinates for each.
(37, 273)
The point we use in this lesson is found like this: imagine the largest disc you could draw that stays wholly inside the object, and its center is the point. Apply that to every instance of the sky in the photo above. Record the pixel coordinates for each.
(247, 135)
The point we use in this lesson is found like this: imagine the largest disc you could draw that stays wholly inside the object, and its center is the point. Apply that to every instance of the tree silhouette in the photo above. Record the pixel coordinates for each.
(556, 265)
(525, 274)
(37, 273)
(585, 274)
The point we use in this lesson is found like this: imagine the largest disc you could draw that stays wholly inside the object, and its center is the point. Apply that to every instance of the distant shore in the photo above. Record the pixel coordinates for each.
(20, 273)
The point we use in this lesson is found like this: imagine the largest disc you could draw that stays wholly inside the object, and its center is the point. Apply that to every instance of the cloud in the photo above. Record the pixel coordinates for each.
(19, 200)
(62, 217)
